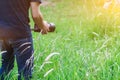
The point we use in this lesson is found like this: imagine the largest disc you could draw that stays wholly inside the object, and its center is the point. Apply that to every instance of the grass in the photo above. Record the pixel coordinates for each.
(87, 39)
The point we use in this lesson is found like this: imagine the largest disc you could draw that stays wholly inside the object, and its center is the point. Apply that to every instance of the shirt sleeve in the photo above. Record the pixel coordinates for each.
(36, 1)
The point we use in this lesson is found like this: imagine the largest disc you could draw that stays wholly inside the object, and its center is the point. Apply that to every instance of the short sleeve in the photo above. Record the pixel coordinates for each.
(36, 1)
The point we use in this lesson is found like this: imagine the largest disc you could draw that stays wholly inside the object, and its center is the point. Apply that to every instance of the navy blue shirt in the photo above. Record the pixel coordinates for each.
(14, 18)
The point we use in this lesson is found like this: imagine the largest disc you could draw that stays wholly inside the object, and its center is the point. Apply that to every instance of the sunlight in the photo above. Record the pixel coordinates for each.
(112, 5)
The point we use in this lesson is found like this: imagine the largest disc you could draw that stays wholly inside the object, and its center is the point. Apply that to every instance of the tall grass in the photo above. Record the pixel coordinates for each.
(87, 40)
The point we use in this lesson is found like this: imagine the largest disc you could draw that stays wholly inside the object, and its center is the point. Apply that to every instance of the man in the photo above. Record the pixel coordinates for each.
(15, 35)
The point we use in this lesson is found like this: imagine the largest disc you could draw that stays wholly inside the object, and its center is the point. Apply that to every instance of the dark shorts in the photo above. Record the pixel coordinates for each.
(22, 50)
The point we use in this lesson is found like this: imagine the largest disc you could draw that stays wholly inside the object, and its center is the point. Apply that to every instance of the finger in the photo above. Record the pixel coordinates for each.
(43, 32)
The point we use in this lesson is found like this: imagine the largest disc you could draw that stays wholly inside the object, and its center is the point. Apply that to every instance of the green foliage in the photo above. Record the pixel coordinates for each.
(87, 38)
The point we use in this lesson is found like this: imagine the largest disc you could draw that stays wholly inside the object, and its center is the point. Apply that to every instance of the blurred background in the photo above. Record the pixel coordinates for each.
(85, 45)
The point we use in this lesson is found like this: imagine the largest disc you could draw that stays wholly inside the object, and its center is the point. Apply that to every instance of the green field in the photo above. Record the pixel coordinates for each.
(85, 45)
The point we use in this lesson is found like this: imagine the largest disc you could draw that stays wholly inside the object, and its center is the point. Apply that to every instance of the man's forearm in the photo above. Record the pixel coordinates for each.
(38, 19)
(37, 15)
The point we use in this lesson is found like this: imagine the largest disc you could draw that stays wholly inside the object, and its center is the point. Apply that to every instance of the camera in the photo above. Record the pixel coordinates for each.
(51, 28)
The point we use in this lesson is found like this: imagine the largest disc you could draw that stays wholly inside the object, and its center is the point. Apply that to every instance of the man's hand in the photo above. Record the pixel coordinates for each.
(45, 29)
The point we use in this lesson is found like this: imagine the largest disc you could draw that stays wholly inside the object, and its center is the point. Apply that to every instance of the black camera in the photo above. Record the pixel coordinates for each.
(51, 28)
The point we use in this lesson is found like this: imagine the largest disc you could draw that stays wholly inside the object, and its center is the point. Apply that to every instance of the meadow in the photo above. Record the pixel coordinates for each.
(85, 45)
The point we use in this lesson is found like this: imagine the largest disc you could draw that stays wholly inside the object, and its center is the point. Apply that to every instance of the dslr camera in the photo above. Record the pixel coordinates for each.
(51, 28)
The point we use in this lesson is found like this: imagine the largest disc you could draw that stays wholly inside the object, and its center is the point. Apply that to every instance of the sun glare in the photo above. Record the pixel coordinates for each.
(112, 5)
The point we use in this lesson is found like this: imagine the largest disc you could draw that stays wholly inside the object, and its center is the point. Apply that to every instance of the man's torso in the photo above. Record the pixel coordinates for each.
(14, 20)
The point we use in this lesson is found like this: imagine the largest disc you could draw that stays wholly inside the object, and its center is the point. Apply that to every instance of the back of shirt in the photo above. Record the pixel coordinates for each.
(14, 18)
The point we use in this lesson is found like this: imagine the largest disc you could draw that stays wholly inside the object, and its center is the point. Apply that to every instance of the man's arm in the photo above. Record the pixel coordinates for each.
(38, 18)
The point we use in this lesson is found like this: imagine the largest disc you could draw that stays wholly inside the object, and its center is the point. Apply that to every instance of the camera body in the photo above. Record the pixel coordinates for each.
(51, 28)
